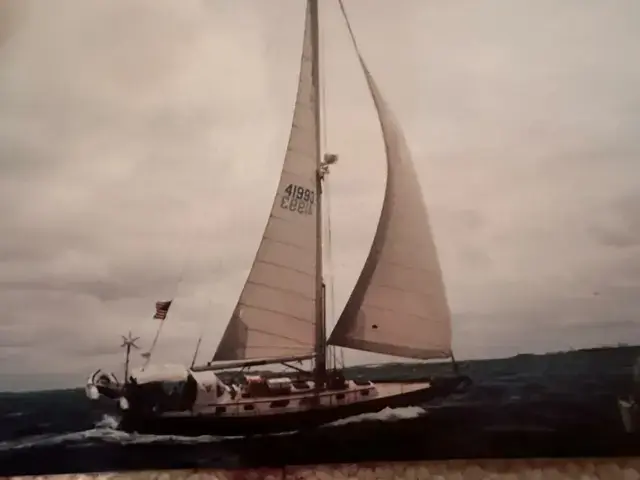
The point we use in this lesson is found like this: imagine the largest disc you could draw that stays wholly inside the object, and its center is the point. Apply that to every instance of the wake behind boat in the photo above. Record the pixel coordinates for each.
(398, 306)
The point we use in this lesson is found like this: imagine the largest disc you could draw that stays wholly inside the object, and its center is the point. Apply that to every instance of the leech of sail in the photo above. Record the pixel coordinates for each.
(275, 316)
(399, 305)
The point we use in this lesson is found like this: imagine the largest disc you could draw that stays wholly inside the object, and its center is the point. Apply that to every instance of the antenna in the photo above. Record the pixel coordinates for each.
(195, 354)
(128, 343)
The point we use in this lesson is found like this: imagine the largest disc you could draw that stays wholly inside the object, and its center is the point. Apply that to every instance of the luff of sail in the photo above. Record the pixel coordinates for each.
(398, 306)
(275, 314)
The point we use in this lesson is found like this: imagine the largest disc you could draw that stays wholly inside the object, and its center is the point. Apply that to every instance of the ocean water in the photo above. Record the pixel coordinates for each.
(562, 404)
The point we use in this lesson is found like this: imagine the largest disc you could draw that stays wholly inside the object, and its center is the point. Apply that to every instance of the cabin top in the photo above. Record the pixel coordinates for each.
(161, 373)
(171, 374)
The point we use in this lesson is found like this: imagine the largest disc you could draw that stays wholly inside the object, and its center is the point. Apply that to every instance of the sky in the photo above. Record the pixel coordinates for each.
(141, 143)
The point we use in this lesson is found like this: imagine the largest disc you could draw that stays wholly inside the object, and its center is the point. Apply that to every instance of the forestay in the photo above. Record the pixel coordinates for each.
(274, 316)
(398, 306)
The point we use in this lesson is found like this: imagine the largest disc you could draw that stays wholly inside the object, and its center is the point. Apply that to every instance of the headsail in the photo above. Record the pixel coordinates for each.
(399, 305)
(275, 315)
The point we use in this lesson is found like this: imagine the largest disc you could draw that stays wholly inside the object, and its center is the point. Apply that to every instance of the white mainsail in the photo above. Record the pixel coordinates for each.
(399, 305)
(275, 315)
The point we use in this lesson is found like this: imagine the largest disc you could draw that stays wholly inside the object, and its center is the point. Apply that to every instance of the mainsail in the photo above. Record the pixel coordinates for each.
(398, 306)
(275, 315)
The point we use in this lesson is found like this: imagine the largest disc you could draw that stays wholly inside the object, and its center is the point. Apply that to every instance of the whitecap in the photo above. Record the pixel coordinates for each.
(386, 415)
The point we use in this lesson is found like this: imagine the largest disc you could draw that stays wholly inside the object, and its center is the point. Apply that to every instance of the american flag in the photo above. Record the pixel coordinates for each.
(162, 308)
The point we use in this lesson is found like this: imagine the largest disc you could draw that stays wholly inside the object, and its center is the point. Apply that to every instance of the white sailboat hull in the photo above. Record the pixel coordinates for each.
(297, 414)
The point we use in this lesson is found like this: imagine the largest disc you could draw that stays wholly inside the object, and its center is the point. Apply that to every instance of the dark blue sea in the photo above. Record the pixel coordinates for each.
(562, 404)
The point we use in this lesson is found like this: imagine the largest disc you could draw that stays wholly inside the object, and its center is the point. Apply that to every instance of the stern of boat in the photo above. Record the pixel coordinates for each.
(101, 384)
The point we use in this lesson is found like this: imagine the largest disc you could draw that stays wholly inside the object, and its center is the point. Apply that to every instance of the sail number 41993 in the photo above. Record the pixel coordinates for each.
(298, 199)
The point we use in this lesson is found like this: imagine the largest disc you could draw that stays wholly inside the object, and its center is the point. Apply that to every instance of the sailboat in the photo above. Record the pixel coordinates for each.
(398, 306)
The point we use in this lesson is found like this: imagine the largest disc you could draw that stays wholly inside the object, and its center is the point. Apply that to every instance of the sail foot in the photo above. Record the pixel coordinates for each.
(254, 362)
(393, 350)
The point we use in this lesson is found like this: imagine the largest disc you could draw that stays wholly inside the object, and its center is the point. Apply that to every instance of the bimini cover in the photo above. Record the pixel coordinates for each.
(161, 373)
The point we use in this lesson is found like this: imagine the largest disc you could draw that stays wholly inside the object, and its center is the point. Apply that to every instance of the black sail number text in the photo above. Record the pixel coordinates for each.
(298, 199)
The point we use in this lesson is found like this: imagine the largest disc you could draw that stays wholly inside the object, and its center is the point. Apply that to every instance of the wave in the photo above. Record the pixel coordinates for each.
(386, 415)
(13, 415)
(106, 431)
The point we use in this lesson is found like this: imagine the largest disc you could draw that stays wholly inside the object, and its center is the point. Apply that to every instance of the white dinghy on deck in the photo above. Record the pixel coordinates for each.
(398, 305)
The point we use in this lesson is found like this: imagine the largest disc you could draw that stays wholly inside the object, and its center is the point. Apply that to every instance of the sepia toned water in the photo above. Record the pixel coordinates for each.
(531, 405)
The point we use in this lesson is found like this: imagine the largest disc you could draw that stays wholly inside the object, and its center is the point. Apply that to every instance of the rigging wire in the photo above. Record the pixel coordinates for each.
(204, 329)
(180, 281)
(176, 292)
(218, 266)
(343, 12)
(323, 148)
(331, 276)
(328, 255)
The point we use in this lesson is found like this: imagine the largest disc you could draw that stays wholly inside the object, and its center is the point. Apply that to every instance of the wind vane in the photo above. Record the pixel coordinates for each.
(128, 343)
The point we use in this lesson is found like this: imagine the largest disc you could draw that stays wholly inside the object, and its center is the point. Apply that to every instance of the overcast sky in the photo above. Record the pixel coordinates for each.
(141, 141)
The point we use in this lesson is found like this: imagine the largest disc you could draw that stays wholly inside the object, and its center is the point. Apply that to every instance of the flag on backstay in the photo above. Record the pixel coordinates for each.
(162, 308)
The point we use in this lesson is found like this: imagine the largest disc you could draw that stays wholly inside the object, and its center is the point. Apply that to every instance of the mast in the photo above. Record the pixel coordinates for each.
(320, 331)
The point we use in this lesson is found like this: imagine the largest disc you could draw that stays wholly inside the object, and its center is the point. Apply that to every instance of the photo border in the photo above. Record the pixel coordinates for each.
(535, 468)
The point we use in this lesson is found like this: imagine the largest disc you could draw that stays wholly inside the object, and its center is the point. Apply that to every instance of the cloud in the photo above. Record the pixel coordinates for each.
(140, 144)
